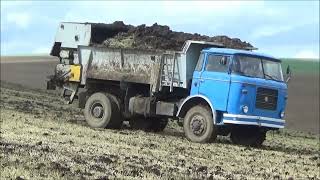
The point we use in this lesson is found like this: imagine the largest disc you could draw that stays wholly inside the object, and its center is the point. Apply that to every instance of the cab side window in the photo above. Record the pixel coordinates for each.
(200, 62)
(217, 63)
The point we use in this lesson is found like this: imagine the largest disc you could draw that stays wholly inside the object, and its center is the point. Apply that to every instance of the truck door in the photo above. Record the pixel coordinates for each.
(214, 80)
(196, 75)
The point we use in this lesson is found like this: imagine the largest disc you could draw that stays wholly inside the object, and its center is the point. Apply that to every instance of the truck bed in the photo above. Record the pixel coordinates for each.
(129, 65)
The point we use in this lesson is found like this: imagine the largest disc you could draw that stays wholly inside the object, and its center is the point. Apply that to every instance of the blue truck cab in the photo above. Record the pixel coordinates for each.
(245, 90)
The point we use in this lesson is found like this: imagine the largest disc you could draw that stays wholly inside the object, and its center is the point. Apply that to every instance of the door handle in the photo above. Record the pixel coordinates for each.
(201, 80)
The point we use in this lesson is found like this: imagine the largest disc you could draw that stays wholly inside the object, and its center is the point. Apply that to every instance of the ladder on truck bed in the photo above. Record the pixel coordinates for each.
(168, 71)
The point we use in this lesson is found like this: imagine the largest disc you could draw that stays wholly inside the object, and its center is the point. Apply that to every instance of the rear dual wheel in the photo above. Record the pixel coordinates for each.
(102, 110)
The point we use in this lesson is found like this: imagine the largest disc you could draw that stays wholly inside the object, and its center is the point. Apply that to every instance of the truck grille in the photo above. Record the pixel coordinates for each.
(267, 98)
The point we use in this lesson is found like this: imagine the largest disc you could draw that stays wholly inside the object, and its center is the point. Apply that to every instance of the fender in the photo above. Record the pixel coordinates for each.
(195, 96)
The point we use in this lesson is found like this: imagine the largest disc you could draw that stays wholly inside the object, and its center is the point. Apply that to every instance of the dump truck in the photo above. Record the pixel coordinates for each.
(208, 89)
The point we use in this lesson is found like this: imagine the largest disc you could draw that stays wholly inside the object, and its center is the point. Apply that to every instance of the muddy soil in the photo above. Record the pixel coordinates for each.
(43, 138)
(303, 103)
(157, 36)
(31, 71)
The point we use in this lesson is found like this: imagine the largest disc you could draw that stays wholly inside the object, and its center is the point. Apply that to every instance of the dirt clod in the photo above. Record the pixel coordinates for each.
(103, 178)
(39, 143)
(155, 169)
(40, 165)
(20, 178)
(104, 159)
(203, 169)
(59, 167)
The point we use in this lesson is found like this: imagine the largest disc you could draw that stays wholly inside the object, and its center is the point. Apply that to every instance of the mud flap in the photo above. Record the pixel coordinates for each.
(71, 88)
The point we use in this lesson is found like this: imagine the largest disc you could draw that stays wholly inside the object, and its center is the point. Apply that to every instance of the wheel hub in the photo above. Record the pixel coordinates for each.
(198, 125)
(97, 111)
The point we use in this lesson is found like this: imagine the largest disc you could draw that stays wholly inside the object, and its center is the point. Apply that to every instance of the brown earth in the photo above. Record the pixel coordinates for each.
(31, 71)
(303, 103)
(43, 138)
(156, 36)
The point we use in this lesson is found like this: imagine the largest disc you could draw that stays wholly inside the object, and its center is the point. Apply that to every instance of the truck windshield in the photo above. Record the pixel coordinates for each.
(257, 67)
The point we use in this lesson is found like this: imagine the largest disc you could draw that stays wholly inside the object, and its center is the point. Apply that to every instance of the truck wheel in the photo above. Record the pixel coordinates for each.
(139, 123)
(198, 125)
(248, 136)
(102, 112)
(116, 120)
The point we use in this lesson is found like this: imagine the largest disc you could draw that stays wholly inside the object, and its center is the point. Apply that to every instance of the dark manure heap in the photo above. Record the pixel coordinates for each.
(120, 35)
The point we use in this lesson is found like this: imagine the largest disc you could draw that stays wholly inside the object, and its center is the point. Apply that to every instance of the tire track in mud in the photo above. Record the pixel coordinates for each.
(105, 164)
(62, 165)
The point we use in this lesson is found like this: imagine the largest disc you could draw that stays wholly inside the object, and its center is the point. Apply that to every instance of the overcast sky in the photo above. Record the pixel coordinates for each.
(282, 29)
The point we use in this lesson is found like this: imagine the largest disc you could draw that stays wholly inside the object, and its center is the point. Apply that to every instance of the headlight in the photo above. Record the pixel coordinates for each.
(245, 109)
(282, 114)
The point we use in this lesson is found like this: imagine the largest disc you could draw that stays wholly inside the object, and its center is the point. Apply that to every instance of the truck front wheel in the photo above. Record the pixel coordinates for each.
(101, 111)
(198, 125)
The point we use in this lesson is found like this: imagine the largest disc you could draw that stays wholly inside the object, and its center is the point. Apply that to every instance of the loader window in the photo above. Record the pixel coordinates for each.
(217, 63)
(200, 62)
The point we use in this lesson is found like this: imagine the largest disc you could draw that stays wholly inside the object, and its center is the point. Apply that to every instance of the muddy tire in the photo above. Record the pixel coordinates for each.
(199, 125)
(139, 123)
(117, 120)
(101, 111)
(248, 136)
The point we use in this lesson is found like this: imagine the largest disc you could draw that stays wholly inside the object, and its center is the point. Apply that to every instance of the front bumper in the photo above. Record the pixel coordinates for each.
(252, 120)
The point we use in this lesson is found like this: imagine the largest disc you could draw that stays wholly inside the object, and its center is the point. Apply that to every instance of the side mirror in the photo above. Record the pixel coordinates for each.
(288, 74)
(288, 70)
